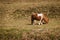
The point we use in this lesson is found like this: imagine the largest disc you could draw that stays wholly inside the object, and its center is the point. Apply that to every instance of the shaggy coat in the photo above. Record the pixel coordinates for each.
(43, 18)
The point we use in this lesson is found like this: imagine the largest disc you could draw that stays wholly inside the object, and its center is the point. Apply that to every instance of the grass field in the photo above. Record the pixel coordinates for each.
(22, 30)
(15, 21)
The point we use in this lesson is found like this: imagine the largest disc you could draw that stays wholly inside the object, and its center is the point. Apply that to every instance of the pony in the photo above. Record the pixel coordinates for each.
(42, 18)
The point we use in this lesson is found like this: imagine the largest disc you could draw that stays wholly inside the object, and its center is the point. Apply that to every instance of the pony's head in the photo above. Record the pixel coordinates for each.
(45, 18)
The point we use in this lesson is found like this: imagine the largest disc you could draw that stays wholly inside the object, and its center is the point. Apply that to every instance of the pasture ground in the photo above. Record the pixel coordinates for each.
(15, 20)
(22, 30)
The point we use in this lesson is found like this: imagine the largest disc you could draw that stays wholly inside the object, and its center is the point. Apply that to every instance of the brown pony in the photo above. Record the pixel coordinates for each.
(39, 17)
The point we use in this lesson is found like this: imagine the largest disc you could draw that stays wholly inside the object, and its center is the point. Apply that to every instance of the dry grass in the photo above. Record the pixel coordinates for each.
(15, 21)
(22, 30)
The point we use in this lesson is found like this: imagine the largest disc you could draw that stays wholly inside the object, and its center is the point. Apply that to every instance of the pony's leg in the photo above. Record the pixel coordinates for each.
(34, 21)
(40, 22)
(43, 21)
